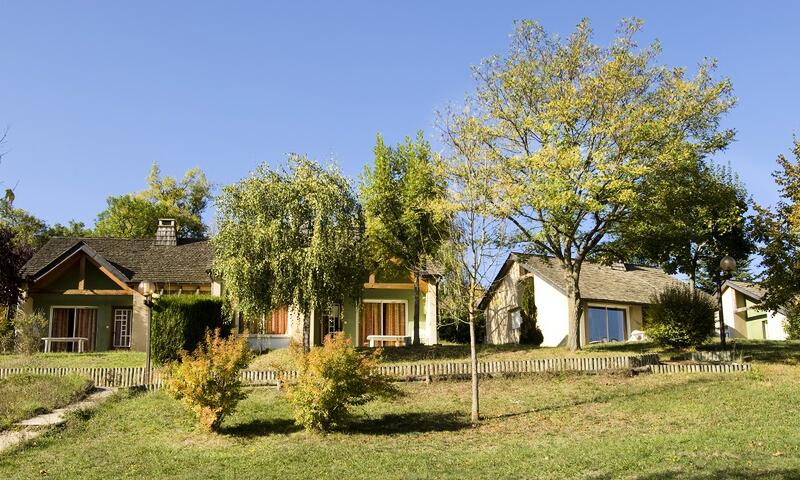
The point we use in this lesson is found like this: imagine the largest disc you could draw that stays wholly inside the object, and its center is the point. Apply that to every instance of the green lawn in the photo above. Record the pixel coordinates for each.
(25, 396)
(112, 359)
(553, 426)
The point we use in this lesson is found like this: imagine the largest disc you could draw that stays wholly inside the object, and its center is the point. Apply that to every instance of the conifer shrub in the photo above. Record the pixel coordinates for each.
(208, 380)
(331, 379)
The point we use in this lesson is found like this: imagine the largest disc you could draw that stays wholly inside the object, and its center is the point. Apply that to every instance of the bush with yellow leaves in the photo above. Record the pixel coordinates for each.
(208, 380)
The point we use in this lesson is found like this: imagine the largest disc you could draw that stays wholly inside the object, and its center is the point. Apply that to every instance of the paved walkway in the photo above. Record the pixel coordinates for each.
(33, 427)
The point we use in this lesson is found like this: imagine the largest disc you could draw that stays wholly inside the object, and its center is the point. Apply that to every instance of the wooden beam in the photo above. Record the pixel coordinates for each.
(388, 286)
(82, 275)
(80, 291)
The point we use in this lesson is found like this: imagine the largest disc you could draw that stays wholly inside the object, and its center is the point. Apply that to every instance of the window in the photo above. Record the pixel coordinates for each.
(606, 324)
(275, 323)
(382, 318)
(332, 320)
(74, 322)
(122, 327)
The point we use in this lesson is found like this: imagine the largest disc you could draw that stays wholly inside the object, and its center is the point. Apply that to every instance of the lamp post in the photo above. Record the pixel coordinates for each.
(147, 289)
(726, 266)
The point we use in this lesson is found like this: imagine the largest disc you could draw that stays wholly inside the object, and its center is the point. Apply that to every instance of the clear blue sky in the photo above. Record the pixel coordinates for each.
(94, 92)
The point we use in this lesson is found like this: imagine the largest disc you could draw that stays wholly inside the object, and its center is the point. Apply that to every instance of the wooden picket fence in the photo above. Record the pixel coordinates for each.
(700, 368)
(135, 376)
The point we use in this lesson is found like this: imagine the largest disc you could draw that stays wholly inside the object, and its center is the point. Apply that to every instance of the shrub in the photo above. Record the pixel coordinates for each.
(208, 380)
(29, 328)
(456, 330)
(180, 322)
(529, 333)
(332, 378)
(679, 317)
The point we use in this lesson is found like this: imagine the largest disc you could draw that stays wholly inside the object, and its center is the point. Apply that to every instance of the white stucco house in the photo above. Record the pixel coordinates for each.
(744, 318)
(613, 299)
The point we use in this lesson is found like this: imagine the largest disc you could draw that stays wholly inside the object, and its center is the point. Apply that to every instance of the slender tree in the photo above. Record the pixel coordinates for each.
(474, 250)
(574, 128)
(290, 237)
(401, 194)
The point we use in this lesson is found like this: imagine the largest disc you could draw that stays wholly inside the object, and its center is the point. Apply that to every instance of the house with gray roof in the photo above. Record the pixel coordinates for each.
(614, 297)
(87, 287)
(744, 316)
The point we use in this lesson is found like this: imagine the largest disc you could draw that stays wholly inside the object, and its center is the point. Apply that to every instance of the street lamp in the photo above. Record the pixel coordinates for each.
(147, 289)
(726, 266)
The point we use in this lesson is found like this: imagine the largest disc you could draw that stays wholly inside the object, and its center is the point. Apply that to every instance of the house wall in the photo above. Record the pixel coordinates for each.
(776, 328)
(737, 321)
(504, 301)
(552, 312)
(104, 303)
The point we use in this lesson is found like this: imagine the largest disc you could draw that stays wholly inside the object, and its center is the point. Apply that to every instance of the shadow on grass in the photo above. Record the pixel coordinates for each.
(411, 422)
(714, 474)
(260, 428)
(605, 397)
(414, 353)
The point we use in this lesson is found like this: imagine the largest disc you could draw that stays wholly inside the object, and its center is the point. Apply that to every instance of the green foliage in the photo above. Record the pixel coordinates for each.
(792, 324)
(573, 129)
(400, 195)
(679, 317)
(135, 215)
(778, 230)
(181, 321)
(687, 218)
(29, 328)
(290, 237)
(208, 380)
(332, 378)
(529, 331)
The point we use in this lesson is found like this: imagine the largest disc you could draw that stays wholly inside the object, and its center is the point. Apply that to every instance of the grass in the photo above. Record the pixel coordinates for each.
(555, 426)
(111, 359)
(24, 396)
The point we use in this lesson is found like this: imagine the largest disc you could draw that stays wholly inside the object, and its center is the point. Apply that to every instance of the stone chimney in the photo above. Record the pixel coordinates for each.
(167, 233)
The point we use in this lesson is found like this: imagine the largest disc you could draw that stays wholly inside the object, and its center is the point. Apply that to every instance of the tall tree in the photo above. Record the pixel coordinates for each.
(686, 219)
(135, 215)
(778, 231)
(574, 128)
(290, 237)
(401, 194)
(474, 251)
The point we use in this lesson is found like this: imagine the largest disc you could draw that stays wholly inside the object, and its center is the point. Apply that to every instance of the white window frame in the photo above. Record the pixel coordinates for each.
(382, 301)
(129, 327)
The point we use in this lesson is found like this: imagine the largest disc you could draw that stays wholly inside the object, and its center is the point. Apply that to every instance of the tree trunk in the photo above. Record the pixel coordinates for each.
(416, 309)
(306, 332)
(575, 312)
(473, 354)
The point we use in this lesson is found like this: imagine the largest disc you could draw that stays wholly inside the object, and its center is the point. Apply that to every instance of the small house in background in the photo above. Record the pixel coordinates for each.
(743, 316)
(614, 297)
(87, 287)
(383, 316)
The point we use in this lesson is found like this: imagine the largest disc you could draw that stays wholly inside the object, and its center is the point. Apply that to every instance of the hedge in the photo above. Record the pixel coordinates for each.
(181, 321)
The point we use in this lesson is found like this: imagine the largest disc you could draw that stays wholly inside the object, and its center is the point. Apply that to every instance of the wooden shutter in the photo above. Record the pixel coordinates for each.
(86, 326)
(60, 328)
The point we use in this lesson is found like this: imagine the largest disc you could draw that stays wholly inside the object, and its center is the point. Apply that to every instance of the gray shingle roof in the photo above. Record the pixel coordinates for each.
(137, 259)
(634, 284)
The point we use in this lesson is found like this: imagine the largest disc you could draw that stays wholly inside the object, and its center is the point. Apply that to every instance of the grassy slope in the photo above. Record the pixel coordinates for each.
(655, 427)
(24, 396)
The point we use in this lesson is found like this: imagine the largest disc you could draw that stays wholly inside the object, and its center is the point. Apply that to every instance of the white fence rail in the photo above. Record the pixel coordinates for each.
(135, 376)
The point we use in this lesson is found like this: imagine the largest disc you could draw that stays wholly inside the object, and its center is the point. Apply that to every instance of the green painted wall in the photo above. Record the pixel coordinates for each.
(95, 279)
(103, 303)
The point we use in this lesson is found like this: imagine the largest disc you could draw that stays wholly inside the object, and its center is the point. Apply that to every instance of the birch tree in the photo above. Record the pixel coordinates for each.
(291, 236)
(574, 128)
